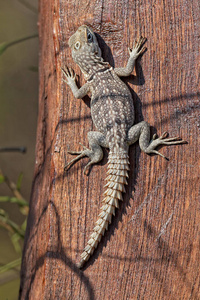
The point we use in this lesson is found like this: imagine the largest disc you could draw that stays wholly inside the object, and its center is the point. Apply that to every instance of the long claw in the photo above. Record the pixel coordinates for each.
(164, 135)
(68, 165)
(162, 140)
(174, 142)
(140, 42)
(158, 153)
(83, 146)
(69, 74)
(171, 141)
(74, 152)
(138, 47)
(154, 136)
(87, 168)
(65, 71)
(142, 50)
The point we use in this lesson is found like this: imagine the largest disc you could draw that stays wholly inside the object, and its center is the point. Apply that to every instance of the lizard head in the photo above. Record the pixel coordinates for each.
(84, 45)
(84, 39)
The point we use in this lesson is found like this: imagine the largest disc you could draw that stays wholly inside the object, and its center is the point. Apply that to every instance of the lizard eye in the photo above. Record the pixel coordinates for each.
(77, 45)
(90, 37)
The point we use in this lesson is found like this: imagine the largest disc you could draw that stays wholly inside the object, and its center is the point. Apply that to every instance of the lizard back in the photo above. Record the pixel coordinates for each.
(112, 107)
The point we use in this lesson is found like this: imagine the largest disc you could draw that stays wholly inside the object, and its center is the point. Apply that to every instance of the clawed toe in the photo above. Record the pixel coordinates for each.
(138, 47)
(168, 141)
(67, 166)
(74, 152)
(68, 72)
(163, 140)
(85, 148)
(86, 168)
(171, 141)
(154, 136)
(70, 75)
(80, 155)
(164, 135)
(158, 153)
(141, 41)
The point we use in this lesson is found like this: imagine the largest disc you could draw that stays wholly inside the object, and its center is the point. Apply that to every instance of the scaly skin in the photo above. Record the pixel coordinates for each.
(112, 112)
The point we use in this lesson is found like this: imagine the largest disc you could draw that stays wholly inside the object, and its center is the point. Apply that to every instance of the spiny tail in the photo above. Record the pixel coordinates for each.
(118, 166)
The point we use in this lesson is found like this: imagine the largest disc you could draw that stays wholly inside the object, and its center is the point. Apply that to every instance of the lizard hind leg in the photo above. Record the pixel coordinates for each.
(95, 153)
(141, 132)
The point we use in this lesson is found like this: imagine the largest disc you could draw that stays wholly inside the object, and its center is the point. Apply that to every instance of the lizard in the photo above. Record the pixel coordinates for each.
(112, 112)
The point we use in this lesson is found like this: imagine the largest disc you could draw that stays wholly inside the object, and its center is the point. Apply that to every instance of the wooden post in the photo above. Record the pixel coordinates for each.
(151, 250)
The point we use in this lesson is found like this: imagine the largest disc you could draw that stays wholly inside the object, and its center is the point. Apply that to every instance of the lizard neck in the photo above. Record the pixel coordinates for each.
(90, 64)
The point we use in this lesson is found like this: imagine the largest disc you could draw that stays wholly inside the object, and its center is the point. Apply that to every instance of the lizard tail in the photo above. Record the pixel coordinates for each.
(118, 166)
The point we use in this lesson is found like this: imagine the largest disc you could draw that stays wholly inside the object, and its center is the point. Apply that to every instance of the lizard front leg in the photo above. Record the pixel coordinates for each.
(141, 132)
(137, 49)
(71, 81)
(95, 153)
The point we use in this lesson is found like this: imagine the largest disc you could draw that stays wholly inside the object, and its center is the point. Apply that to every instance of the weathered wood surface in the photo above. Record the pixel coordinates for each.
(151, 250)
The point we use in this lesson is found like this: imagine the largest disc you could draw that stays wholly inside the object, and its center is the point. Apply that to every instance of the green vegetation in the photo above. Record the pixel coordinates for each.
(15, 231)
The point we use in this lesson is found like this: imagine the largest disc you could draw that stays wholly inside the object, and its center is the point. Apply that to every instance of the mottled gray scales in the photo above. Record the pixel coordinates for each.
(112, 112)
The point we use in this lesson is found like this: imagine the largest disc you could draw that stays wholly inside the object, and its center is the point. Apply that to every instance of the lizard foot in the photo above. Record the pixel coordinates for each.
(69, 74)
(163, 140)
(138, 48)
(94, 158)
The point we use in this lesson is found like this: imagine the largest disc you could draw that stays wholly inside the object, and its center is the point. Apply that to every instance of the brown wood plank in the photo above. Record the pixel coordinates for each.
(151, 250)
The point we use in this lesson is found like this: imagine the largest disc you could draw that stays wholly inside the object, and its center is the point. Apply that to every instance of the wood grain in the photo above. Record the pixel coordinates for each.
(151, 250)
